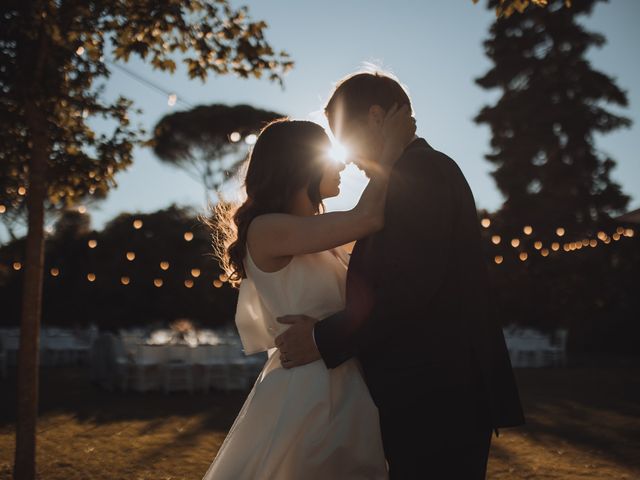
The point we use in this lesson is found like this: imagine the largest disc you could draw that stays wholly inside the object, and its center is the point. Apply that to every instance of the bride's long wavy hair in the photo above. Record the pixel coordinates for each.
(288, 155)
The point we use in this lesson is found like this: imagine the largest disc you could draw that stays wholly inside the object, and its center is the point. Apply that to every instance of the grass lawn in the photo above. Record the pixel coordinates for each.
(583, 423)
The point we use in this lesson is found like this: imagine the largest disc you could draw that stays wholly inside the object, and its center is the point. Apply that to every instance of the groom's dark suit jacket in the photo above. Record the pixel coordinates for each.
(417, 313)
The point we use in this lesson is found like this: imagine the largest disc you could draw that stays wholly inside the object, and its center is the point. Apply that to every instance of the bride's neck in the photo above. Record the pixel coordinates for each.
(301, 204)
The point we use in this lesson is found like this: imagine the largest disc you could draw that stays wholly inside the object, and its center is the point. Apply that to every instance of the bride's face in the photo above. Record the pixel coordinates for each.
(330, 182)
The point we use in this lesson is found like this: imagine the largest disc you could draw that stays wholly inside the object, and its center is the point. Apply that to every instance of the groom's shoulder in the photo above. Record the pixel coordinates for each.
(421, 157)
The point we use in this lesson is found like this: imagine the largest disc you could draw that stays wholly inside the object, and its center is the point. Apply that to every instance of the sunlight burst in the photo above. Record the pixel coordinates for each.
(338, 153)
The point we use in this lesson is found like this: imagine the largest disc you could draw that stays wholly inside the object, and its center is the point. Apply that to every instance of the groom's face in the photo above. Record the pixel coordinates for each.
(362, 137)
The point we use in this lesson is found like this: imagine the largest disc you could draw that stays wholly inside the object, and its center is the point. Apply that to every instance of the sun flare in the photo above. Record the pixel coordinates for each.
(338, 153)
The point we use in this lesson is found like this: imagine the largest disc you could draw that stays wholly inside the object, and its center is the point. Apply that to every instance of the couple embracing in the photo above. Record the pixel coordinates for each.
(384, 362)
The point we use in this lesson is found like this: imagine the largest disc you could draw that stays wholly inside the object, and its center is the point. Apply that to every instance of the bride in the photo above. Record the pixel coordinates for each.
(287, 256)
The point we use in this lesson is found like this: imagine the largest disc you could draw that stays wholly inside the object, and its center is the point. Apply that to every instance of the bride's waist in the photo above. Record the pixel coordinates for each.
(276, 328)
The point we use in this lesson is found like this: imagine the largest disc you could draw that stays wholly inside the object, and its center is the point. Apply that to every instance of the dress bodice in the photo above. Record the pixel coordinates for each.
(312, 284)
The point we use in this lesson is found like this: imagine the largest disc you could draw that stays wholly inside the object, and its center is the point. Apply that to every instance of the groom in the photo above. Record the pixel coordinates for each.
(417, 310)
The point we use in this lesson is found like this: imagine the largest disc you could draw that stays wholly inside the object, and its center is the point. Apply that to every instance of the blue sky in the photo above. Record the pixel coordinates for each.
(434, 47)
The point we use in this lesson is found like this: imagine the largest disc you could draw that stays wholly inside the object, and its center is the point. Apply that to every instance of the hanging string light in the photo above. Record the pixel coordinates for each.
(602, 238)
(172, 98)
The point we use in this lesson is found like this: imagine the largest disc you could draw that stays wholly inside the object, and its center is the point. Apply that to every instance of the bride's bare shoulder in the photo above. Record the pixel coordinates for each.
(267, 222)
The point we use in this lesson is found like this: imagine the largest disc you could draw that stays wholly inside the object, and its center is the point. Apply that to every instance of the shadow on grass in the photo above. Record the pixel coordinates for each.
(68, 391)
(593, 409)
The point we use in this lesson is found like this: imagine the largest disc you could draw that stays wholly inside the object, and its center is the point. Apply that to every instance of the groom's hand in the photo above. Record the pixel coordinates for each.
(296, 345)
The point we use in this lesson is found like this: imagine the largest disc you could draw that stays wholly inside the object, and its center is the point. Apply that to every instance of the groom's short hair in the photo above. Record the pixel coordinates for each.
(354, 95)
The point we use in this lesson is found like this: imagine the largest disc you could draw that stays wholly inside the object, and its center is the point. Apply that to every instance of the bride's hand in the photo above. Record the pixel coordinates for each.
(398, 129)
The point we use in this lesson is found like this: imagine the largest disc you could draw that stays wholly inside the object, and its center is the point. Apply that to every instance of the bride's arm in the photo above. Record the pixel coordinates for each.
(281, 235)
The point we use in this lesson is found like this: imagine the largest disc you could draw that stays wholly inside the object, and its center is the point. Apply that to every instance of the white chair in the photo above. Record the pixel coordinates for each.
(101, 359)
(60, 349)
(556, 352)
(11, 347)
(212, 364)
(525, 347)
(241, 370)
(120, 360)
(143, 368)
(514, 345)
(177, 368)
(3, 360)
(131, 342)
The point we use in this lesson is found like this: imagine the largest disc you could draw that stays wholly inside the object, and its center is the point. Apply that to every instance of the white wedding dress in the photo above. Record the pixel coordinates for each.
(309, 422)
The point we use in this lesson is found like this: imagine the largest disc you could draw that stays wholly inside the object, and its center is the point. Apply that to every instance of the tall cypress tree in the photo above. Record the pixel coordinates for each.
(553, 102)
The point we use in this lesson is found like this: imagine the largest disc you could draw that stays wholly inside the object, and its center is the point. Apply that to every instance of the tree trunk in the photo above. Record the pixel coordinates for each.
(28, 355)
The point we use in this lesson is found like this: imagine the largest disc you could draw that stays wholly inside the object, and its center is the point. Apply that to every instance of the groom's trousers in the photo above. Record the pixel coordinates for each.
(439, 439)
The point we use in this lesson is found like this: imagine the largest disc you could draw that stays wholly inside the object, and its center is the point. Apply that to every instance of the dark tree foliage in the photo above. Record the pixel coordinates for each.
(208, 141)
(557, 185)
(506, 8)
(553, 102)
(70, 299)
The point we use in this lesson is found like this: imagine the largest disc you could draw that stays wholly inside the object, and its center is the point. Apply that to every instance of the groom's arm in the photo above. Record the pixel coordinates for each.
(411, 254)
(333, 339)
